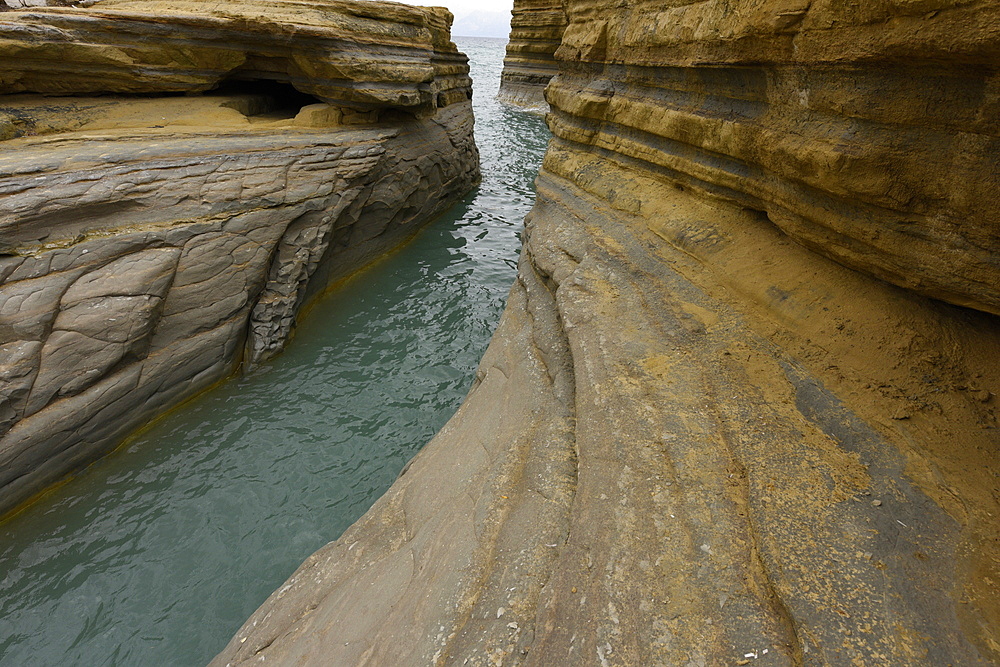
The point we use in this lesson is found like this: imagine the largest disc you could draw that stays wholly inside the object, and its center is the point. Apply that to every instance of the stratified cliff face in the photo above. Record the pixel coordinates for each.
(536, 28)
(152, 243)
(868, 133)
(729, 415)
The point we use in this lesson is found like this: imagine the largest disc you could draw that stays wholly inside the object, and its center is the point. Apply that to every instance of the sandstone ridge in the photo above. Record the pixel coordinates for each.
(741, 406)
(153, 242)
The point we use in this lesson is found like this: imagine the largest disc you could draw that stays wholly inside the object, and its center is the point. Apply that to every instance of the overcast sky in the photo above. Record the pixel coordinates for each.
(487, 18)
(462, 7)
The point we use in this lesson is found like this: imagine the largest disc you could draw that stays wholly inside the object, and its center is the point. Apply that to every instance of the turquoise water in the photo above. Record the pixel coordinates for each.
(157, 554)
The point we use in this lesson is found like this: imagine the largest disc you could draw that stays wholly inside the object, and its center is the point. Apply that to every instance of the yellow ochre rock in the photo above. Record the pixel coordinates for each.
(536, 29)
(741, 406)
(357, 54)
(868, 132)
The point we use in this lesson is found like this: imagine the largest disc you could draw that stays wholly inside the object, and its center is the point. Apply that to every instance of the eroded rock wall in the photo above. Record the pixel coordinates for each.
(353, 54)
(741, 407)
(536, 28)
(151, 244)
(869, 135)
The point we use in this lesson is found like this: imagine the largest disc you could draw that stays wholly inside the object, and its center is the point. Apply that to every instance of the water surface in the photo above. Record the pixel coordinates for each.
(157, 554)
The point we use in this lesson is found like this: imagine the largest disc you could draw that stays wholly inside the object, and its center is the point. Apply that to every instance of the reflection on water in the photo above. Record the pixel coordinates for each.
(156, 555)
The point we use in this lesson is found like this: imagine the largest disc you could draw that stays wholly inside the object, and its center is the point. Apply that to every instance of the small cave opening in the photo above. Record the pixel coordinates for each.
(396, 116)
(263, 99)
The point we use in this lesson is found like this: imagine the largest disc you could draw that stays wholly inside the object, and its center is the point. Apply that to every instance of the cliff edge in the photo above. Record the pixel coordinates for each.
(178, 178)
(536, 29)
(741, 407)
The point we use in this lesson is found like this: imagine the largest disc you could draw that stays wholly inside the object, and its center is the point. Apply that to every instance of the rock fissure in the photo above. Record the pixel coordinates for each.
(793, 645)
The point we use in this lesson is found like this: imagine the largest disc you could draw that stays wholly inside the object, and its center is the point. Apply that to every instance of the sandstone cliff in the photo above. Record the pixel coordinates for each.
(150, 242)
(536, 29)
(728, 417)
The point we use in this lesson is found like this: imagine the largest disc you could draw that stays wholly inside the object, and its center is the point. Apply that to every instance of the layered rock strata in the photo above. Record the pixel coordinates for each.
(536, 29)
(153, 243)
(869, 135)
(354, 54)
(728, 417)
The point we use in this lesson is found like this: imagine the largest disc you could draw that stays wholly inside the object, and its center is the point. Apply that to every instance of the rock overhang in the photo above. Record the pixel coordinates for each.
(343, 53)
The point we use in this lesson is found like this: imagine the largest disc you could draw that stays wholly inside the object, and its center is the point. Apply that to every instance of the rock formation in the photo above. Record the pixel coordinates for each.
(154, 239)
(536, 29)
(732, 414)
(9, 5)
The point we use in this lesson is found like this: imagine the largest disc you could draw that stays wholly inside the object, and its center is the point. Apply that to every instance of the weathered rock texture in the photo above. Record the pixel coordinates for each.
(536, 28)
(9, 5)
(355, 54)
(150, 244)
(727, 418)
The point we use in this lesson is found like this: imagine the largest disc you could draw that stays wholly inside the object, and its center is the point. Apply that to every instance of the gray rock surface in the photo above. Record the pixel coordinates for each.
(152, 246)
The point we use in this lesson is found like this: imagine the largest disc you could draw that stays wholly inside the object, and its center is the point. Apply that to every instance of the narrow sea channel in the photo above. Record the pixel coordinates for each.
(157, 554)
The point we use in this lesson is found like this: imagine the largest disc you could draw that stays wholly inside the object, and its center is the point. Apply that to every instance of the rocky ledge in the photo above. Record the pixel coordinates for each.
(741, 406)
(178, 178)
(536, 28)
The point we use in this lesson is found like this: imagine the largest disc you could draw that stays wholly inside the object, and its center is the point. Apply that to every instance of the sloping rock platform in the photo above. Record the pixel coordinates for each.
(239, 158)
(741, 407)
